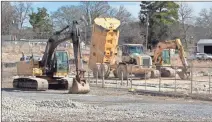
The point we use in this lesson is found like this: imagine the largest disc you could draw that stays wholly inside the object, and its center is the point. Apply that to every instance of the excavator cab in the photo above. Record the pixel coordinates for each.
(61, 63)
(166, 57)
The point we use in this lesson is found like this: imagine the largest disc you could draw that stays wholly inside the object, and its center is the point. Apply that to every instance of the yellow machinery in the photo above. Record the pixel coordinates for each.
(164, 61)
(104, 56)
(52, 71)
(158, 58)
(103, 49)
(133, 60)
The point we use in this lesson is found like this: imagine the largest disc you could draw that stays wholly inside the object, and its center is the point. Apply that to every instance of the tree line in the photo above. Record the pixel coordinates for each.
(164, 19)
(42, 22)
(169, 20)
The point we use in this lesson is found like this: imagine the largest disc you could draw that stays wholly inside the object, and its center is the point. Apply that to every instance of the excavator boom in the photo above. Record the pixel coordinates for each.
(79, 82)
(52, 43)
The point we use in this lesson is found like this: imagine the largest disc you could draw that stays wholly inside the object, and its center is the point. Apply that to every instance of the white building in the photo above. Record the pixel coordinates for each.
(204, 46)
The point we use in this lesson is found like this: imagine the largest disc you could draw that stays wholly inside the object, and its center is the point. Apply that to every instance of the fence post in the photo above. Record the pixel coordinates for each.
(116, 83)
(160, 79)
(88, 76)
(121, 78)
(209, 82)
(127, 76)
(191, 78)
(29, 46)
(131, 76)
(175, 81)
(97, 76)
(145, 79)
(103, 78)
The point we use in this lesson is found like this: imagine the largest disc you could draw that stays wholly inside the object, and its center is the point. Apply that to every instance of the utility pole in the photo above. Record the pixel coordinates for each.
(147, 29)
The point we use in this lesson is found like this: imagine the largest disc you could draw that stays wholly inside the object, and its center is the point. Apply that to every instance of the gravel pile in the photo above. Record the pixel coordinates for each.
(19, 106)
(58, 104)
(18, 109)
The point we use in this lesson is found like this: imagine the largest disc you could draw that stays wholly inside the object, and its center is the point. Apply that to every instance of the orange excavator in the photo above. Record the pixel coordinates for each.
(183, 72)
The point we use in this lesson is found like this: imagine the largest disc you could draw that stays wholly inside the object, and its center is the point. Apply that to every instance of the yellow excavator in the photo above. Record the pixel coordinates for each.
(165, 63)
(162, 46)
(52, 70)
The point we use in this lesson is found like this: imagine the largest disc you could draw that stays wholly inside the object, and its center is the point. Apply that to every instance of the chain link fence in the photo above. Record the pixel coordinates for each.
(198, 82)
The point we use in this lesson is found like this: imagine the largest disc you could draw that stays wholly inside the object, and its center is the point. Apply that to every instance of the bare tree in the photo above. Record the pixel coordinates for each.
(205, 20)
(22, 10)
(132, 33)
(90, 10)
(65, 15)
(126, 20)
(7, 18)
(185, 18)
(93, 10)
(121, 14)
(112, 12)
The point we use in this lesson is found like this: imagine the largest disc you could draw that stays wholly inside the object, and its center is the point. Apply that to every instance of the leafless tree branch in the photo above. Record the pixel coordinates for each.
(185, 18)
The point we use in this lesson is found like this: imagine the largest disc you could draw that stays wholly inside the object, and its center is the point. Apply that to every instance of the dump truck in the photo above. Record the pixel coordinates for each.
(104, 57)
(52, 70)
(103, 47)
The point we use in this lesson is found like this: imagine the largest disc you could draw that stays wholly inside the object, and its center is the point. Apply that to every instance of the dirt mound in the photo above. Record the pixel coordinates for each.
(12, 53)
(175, 61)
(10, 57)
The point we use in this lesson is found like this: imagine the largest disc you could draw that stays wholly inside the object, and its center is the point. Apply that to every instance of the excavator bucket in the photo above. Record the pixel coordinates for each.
(183, 73)
(79, 87)
(155, 73)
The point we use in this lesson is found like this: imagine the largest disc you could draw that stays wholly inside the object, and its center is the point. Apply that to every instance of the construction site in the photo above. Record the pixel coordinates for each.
(60, 78)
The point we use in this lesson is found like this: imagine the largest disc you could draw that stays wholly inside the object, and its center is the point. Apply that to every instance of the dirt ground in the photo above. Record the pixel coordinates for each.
(100, 104)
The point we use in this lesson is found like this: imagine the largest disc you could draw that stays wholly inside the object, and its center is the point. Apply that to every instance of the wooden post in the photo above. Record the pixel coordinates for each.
(103, 78)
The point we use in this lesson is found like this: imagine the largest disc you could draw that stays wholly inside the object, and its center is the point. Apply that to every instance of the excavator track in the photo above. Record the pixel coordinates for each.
(31, 83)
(41, 84)
(68, 82)
(167, 72)
(155, 74)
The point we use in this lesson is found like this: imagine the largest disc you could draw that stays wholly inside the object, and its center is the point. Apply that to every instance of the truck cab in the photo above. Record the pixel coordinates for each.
(133, 60)
(134, 54)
